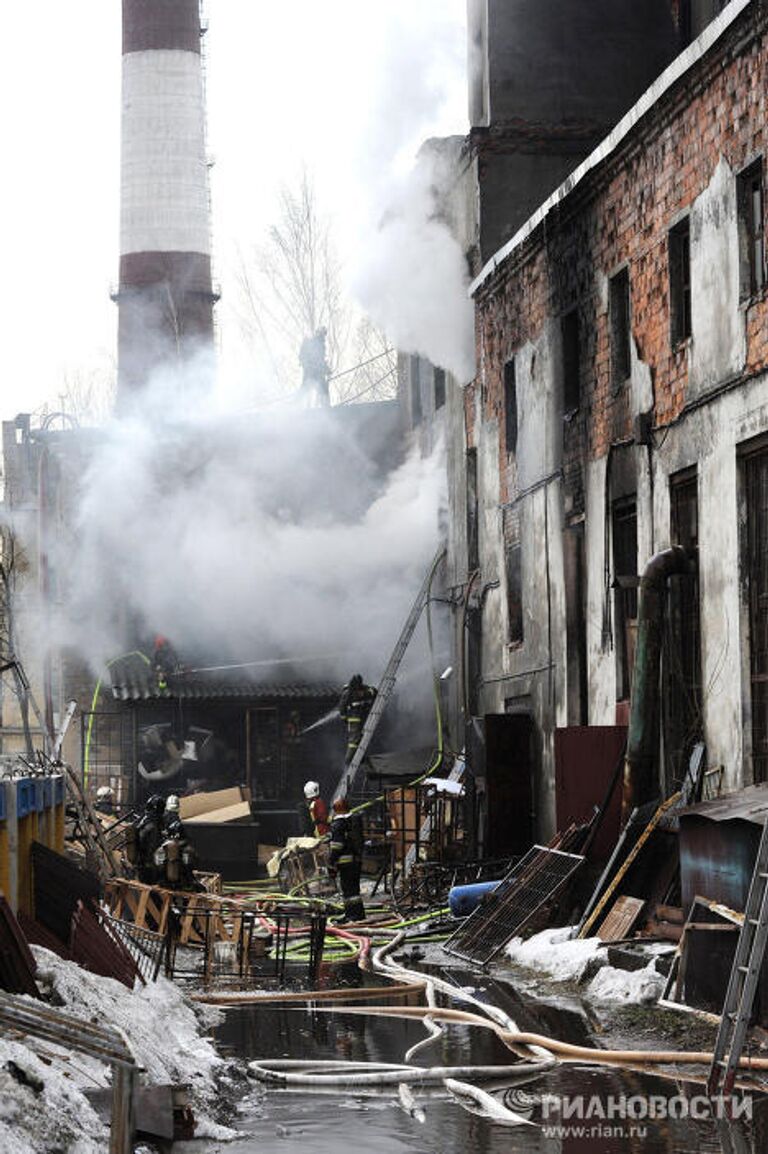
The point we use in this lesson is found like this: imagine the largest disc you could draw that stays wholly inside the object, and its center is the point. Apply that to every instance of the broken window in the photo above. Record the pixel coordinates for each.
(439, 384)
(510, 407)
(416, 411)
(618, 305)
(571, 361)
(473, 552)
(680, 281)
(624, 535)
(749, 188)
(681, 700)
(514, 593)
(756, 486)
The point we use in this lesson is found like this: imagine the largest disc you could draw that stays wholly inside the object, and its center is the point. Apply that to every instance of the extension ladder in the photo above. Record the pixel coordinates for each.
(387, 683)
(745, 975)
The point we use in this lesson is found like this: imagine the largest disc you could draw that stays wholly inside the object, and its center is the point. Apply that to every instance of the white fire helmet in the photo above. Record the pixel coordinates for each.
(104, 793)
(172, 804)
(311, 789)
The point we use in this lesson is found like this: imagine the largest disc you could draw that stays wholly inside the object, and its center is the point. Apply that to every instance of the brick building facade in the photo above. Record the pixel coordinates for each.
(621, 405)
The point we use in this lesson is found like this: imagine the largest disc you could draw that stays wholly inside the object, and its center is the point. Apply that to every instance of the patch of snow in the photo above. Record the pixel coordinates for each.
(43, 1106)
(555, 953)
(44, 1111)
(161, 1028)
(637, 987)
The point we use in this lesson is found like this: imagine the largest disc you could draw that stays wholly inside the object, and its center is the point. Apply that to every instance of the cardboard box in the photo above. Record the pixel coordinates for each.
(198, 803)
(239, 812)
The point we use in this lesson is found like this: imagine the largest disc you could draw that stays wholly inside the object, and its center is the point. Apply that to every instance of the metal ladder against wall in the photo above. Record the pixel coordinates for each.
(745, 975)
(388, 679)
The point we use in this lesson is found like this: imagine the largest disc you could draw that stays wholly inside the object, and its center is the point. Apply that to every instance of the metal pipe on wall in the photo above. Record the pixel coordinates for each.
(643, 736)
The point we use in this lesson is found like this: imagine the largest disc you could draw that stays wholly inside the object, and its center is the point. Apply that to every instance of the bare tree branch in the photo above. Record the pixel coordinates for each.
(291, 287)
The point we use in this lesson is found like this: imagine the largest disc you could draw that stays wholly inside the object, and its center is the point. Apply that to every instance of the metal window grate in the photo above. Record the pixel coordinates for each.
(510, 907)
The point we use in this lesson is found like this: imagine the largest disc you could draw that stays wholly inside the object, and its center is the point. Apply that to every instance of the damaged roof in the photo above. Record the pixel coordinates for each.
(136, 684)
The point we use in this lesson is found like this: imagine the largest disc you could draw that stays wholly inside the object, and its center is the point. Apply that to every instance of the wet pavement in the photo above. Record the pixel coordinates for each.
(610, 1108)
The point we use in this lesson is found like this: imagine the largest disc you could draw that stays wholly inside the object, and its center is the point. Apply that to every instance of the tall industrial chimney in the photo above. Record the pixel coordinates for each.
(165, 296)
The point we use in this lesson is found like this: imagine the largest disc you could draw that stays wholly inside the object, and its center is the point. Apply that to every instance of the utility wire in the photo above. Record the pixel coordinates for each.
(346, 372)
(253, 664)
(367, 389)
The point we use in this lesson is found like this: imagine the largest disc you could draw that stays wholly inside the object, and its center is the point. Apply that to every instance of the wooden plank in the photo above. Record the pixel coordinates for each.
(629, 859)
(622, 916)
(141, 908)
(670, 914)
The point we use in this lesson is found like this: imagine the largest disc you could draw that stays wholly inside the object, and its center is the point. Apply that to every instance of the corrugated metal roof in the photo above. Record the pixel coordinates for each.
(748, 804)
(135, 685)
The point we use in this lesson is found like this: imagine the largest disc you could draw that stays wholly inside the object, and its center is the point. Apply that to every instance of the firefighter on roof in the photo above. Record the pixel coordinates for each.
(164, 661)
(354, 706)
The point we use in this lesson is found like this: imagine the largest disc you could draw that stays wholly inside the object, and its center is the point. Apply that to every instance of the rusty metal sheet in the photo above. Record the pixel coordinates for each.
(585, 760)
(748, 804)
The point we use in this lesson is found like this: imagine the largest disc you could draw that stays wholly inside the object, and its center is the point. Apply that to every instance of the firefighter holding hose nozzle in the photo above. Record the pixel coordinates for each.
(354, 706)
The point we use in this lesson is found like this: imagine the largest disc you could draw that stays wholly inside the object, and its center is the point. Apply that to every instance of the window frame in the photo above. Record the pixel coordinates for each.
(513, 575)
(417, 409)
(680, 286)
(570, 330)
(438, 387)
(511, 418)
(751, 229)
(620, 326)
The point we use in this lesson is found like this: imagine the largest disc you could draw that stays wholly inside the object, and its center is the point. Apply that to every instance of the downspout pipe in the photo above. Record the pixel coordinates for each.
(643, 738)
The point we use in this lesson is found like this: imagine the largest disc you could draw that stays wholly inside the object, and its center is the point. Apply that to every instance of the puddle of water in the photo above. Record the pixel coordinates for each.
(291, 1122)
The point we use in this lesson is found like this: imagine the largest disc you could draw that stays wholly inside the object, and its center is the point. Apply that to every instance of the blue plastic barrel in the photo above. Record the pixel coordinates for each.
(462, 900)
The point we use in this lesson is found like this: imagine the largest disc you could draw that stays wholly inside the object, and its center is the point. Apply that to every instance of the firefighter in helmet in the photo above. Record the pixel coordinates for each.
(149, 837)
(346, 858)
(317, 809)
(165, 661)
(354, 706)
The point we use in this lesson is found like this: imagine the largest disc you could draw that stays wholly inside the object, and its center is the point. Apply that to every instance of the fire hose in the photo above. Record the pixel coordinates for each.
(348, 1075)
(564, 1051)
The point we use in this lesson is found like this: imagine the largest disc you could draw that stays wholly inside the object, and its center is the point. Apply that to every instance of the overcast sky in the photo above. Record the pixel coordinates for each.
(347, 87)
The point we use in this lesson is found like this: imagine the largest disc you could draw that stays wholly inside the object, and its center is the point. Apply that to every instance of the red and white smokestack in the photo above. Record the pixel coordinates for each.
(165, 297)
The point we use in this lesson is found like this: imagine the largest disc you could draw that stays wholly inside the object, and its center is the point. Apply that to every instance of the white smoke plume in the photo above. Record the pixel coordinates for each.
(248, 538)
(413, 280)
(408, 271)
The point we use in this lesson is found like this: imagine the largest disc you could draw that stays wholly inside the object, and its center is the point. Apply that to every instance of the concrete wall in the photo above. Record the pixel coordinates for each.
(547, 80)
(564, 61)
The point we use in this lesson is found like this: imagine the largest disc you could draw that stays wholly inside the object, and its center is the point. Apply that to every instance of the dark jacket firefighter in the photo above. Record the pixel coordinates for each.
(318, 810)
(354, 706)
(345, 858)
